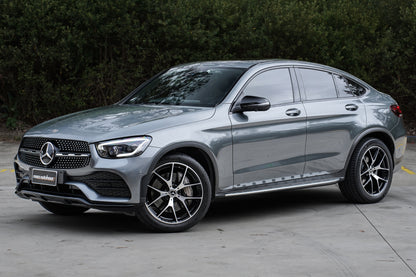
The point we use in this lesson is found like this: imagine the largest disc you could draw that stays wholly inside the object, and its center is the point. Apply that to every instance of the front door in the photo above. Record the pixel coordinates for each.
(269, 146)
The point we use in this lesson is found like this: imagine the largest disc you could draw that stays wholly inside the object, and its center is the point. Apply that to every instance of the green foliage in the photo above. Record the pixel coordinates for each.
(11, 123)
(58, 57)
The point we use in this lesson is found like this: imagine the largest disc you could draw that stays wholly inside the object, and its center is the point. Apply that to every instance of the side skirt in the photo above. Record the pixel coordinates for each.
(303, 183)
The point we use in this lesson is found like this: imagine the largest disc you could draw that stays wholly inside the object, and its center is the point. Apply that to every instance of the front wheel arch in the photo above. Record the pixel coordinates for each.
(201, 153)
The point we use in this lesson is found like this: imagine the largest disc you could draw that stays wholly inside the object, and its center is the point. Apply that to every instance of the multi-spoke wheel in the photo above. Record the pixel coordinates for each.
(374, 170)
(178, 194)
(369, 173)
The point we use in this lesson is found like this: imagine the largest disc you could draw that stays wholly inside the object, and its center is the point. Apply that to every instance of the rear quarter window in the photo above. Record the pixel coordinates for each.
(348, 88)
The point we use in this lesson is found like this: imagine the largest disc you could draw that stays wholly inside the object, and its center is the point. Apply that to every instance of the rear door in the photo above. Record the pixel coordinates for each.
(269, 146)
(334, 118)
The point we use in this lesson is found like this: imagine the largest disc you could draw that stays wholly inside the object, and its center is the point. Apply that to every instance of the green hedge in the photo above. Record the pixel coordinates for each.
(58, 57)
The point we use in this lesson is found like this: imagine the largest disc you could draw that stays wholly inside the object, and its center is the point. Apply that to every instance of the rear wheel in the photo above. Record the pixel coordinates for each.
(369, 173)
(178, 195)
(61, 209)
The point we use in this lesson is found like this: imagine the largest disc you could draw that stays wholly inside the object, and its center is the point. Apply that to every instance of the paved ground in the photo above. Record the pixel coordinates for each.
(312, 232)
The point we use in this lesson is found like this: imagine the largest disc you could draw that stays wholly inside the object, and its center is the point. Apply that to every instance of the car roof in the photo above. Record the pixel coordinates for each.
(250, 63)
(247, 64)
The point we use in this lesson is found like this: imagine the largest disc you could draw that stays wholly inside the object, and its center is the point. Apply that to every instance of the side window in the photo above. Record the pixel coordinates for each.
(275, 85)
(347, 88)
(318, 84)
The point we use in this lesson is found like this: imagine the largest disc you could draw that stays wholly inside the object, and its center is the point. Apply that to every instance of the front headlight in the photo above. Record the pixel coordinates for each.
(122, 148)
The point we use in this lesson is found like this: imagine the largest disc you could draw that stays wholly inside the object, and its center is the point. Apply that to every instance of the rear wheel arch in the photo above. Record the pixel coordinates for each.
(369, 174)
(378, 133)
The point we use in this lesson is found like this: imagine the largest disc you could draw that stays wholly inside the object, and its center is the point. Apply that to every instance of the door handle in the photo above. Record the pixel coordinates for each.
(293, 112)
(351, 107)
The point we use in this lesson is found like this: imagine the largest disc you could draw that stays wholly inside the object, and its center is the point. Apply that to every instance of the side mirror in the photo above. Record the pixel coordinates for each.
(251, 104)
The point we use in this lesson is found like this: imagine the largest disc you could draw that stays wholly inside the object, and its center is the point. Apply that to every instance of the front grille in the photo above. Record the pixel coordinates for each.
(63, 162)
(105, 184)
(64, 145)
(71, 153)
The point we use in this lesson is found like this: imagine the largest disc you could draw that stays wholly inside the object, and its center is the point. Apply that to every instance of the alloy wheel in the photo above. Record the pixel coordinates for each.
(174, 194)
(374, 170)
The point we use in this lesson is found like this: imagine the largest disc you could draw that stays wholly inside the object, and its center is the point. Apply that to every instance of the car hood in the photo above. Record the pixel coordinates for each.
(118, 121)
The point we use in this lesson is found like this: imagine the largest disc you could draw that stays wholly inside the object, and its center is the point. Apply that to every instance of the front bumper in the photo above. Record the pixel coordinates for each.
(76, 201)
(72, 190)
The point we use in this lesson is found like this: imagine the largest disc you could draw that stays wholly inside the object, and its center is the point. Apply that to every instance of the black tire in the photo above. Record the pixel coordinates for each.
(369, 173)
(61, 209)
(175, 202)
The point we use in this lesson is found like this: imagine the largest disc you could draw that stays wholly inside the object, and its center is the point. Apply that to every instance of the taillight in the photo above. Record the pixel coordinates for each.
(396, 110)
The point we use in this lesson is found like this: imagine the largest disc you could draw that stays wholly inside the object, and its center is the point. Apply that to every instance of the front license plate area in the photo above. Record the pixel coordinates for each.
(44, 177)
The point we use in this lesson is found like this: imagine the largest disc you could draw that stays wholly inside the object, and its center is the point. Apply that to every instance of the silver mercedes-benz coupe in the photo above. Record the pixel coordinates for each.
(206, 130)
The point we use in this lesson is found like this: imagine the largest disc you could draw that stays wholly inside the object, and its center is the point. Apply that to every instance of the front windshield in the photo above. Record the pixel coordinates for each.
(189, 85)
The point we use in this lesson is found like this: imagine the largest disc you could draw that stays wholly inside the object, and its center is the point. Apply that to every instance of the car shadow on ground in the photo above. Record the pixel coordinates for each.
(246, 208)
(276, 203)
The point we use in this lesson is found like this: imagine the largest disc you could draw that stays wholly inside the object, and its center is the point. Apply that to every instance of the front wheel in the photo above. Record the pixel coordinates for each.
(178, 195)
(369, 173)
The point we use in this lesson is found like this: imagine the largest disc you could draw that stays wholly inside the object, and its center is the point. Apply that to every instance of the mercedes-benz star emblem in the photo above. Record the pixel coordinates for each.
(47, 153)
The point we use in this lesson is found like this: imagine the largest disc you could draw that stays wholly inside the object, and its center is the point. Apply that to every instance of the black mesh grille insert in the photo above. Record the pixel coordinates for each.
(30, 159)
(105, 184)
(62, 190)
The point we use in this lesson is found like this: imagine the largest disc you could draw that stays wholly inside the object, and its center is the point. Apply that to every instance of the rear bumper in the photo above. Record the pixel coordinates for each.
(398, 166)
(400, 148)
